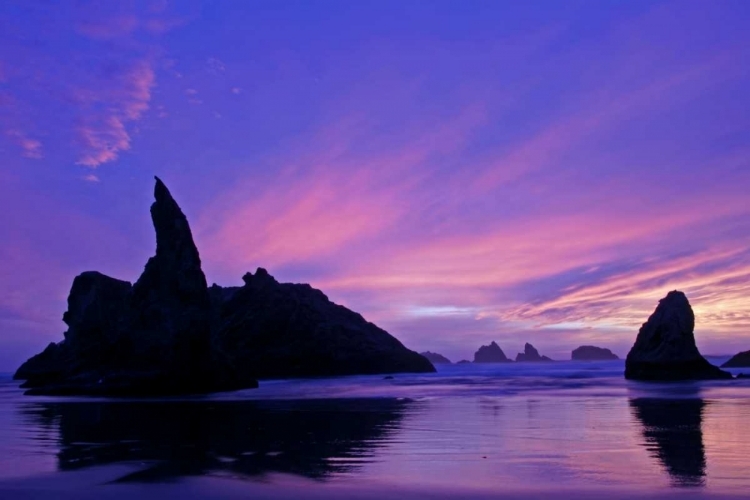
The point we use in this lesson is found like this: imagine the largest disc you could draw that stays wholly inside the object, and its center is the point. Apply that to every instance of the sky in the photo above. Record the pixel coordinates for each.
(457, 172)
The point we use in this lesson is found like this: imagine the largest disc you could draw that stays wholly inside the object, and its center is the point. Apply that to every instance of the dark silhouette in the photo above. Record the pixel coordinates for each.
(740, 360)
(592, 353)
(530, 354)
(665, 347)
(436, 358)
(244, 438)
(463, 362)
(277, 330)
(672, 434)
(490, 354)
(170, 334)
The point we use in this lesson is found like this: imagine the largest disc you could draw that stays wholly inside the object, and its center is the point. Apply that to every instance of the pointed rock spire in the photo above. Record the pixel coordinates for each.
(171, 296)
(176, 267)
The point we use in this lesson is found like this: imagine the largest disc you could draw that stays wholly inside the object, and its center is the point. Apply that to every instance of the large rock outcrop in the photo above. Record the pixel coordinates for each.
(490, 354)
(665, 347)
(530, 354)
(170, 334)
(276, 330)
(592, 353)
(740, 360)
(436, 358)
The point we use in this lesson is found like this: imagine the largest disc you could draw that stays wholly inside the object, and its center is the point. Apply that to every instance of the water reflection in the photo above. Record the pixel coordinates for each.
(315, 439)
(672, 433)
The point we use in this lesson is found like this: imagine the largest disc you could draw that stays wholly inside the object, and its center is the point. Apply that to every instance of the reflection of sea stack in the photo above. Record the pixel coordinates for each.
(665, 347)
(672, 433)
(530, 354)
(435, 358)
(169, 439)
(171, 334)
(592, 353)
(490, 354)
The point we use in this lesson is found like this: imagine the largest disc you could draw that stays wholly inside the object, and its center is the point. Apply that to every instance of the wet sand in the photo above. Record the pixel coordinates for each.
(566, 430)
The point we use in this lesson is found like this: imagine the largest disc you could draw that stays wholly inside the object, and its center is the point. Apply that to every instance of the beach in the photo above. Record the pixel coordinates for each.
(565, 429)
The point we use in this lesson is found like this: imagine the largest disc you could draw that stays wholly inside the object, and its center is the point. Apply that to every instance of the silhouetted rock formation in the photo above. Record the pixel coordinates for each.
(316, 439)
(490, 354)
(463, 362)
(672, 434)
(743, 375)
(665, 347)
(592, 353)
(436, 358)
(530, 354)
(276, 330)
(741, 360)
(170, 334)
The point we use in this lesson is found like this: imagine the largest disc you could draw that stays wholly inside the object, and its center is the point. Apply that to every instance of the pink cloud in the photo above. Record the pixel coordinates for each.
(31, 148)
(298, 216)
(103, 134)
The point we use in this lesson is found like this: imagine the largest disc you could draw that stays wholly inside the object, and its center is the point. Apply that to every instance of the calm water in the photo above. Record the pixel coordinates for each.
(472, 430)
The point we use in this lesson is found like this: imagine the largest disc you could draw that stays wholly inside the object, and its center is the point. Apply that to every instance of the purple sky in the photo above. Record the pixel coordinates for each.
(458, 172)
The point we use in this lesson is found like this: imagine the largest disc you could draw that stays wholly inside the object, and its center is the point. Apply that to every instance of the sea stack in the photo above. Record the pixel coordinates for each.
(592, 353)
(665, 347)
(741, 360)
(435, 358)
(490, 354)
(530, 354)
(149, 339)
(170, 334)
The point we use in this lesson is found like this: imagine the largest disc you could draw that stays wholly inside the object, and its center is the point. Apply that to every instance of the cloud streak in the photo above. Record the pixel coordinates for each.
(103, 135)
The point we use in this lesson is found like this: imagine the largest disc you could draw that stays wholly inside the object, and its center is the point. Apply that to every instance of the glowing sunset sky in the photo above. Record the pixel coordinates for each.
(458, 172)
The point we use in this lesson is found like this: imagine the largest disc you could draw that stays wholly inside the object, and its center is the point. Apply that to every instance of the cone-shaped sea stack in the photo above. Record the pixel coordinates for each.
(739, 360)
(665, 347)
(490, 354)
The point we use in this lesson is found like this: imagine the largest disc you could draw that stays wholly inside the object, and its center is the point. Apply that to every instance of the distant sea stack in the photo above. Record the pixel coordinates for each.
(530, 354)
(592, 353)
(436, 358)
(490, 354)
(741, 360)
(171, 334)
(665, 347)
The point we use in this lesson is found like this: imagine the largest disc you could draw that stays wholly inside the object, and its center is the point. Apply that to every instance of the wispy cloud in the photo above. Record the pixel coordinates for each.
(103, 134)
(31, 148)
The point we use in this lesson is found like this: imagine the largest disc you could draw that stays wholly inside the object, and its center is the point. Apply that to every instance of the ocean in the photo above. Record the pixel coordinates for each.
(527, 430)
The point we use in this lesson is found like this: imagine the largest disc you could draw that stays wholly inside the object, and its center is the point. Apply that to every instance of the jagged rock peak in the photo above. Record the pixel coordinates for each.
(665, 347)
(260, 276)
(490, 354)
(530, 354)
